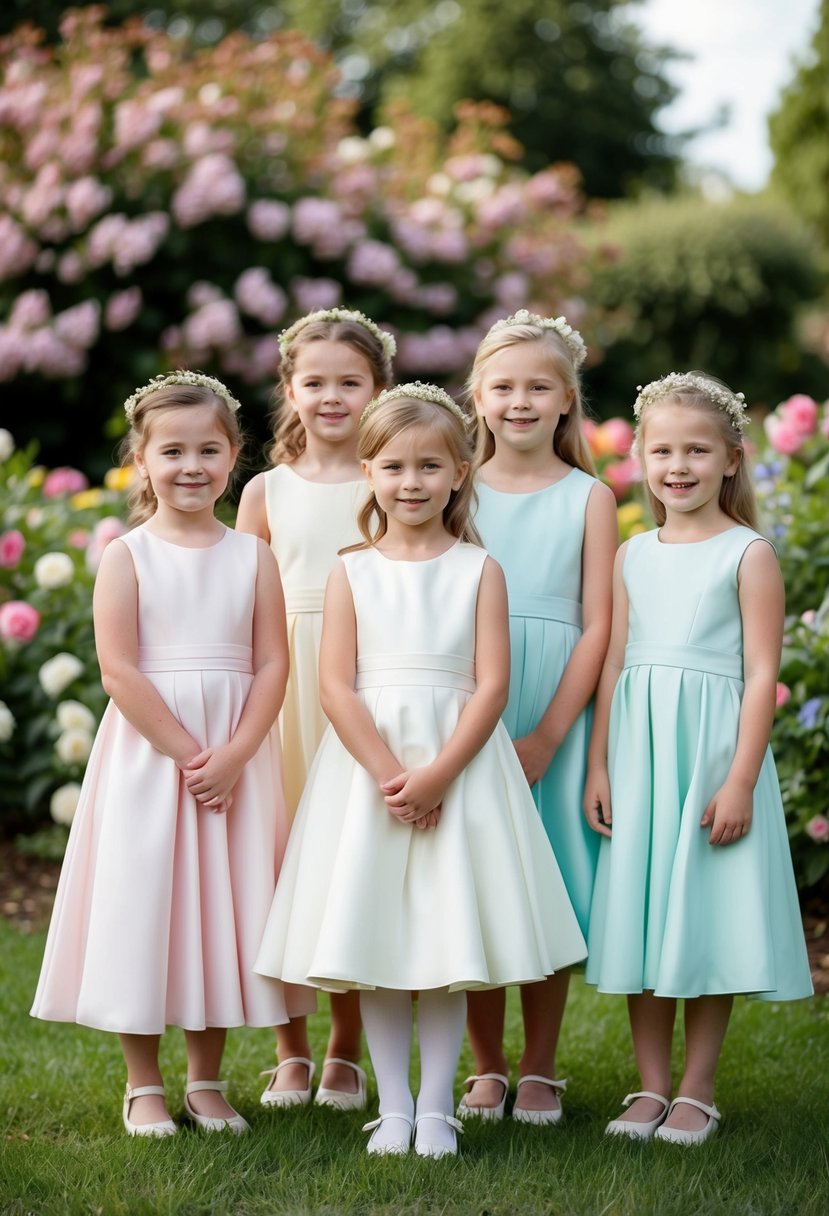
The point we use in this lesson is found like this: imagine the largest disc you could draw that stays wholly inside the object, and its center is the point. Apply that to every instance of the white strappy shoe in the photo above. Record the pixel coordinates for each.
(165, 1127)
(638, 1131)
(287, 1097)
(492, 1114)
(213, 1123)
(540, 1117)
(424, 1147)
(338, 1099)
(678, 1135)
(397, 1147)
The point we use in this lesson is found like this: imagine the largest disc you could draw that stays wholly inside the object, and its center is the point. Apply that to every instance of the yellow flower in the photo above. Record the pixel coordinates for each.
(36, 476)
(119, 479)
(629, 513)
(87, 498)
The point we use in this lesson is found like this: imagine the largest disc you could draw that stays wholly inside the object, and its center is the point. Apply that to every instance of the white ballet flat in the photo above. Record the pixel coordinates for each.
(213, 1123)
(638, 1131)
(538, 1117)
(678, 1135)
(392, 1148)
(492, 1114)
(165, 1127)
(338, 1099)
(287, 1097)
(425, 1148)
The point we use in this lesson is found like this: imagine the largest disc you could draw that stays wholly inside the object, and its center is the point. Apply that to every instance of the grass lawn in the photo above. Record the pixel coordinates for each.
(64, 1149)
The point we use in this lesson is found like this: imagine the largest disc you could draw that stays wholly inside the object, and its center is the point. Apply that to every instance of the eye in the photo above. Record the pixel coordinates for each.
(431, 464)
(390, 467)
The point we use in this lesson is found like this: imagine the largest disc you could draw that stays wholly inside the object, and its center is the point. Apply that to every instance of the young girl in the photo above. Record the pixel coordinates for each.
(169, 871)
(695, 895)
(552, 526)
(417, 861)
(306, 507)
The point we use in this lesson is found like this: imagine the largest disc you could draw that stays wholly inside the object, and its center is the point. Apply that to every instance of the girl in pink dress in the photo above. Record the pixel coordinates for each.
(172, 858)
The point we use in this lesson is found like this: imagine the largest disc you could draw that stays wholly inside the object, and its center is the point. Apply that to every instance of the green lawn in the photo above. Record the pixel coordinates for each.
(64, 1149)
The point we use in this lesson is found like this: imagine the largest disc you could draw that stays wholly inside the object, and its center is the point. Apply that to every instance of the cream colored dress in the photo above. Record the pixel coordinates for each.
(309, 522)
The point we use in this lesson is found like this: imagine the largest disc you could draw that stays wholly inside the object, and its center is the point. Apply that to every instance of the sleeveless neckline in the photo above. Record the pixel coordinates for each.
(531, 493)
(187, 548)
(414, 561)
(684, 544)
(310, 481)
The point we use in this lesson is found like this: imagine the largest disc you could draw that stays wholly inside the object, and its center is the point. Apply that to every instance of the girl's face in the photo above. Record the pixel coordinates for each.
(330, 387)
(414, 475)
(685, 458)
(187, 458)
(522, 396)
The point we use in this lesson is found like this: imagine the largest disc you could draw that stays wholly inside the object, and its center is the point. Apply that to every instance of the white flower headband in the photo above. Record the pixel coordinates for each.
(571, 337)
(338, 314)
(198, 379)
(732, 404)
(421, 392)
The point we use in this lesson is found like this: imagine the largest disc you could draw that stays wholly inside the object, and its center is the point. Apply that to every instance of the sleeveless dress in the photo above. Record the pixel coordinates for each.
(537, 539)
(309, 522)
(161, 903)
(672, 913)
(366, 901)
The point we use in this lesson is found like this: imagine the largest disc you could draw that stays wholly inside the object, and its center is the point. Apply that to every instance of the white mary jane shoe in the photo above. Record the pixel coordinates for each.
(287, 1097)
(166, 1127)
(426, 1148)
(678, 1135)
(639, 1131)
(338, 1099)
(540, 1117)
(492, 1114)
(391, 1148)
(213, 1123)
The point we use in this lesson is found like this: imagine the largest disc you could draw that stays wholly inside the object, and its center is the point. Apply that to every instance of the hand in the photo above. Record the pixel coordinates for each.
(597, 805)
(413, 794)
(730, 812)
(211, 775)
(430, 821)
(535, 755)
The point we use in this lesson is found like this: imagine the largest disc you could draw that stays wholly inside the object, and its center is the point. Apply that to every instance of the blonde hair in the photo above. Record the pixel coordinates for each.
(737, 496)
(142, 501)
(569, 442)
(393, 418)
(288, 432)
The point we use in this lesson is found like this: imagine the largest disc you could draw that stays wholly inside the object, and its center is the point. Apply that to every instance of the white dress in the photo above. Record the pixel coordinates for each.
(366, 901)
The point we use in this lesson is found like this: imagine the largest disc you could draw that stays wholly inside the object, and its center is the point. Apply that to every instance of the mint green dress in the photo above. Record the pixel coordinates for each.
(672, 913)
(537, 539)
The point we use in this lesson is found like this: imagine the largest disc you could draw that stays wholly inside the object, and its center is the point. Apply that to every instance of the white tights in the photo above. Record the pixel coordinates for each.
(441, 1019)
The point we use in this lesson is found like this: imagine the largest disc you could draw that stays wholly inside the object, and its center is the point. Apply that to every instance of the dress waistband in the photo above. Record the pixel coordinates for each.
(437, 670)
(697, 658)
(304, 599)
(217, 656)
(547, 608)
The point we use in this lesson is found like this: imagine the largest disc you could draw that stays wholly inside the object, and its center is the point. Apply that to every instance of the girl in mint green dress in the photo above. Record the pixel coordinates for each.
(552, 527)
(695, 894)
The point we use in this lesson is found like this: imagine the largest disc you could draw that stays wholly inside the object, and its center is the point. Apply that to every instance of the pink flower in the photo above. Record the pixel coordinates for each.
(258, 295)
(47, 353)
(782, 694)
(139, 241)
(783, 435)
(818, 829)
(12, 546)
(438, 298)
(63, 481)
(801, 412)
(86, 198)
(268, 220)
(373, 263)
(80, 325)
(615, 437)
(135, 123)
(104, 238)
(105, 530)
(212, 187)
(622, 475)
(314, 294)
(70, 267)
(19, 621)
(78, 538)
(17, 250)
(214, 324)
(122, 308)
(30, 309)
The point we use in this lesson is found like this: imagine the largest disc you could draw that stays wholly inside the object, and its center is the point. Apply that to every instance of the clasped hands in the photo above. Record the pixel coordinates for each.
(211, 775)
(415, 796)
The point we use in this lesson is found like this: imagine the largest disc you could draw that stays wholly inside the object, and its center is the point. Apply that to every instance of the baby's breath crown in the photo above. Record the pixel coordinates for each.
(674, 383)
(198, 379)
(571, 337)
(338, 314)
(421, 392)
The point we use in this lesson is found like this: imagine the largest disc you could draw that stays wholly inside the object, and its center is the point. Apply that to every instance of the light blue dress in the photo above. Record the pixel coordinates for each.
(672, 913)
(537, 539)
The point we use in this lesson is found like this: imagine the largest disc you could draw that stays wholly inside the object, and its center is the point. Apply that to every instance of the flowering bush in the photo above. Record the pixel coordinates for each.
(194, 201)
(53, 529)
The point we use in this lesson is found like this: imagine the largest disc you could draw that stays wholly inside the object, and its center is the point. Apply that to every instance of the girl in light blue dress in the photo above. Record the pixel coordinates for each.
(695, 894)
(552, 527)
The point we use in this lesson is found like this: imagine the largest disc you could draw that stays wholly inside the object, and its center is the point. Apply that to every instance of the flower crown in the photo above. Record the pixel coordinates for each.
(571, 337)
(674, 383)
(338, 314)
(421, 392)
(197, 379)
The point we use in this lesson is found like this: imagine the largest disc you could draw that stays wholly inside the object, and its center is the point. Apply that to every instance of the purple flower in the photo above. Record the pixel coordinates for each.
(809, 712)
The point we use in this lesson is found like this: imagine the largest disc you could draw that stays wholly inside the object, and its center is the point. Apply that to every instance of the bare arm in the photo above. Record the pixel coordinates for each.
(252, 515)
(578, 683)
(762, 607)
(597, 803)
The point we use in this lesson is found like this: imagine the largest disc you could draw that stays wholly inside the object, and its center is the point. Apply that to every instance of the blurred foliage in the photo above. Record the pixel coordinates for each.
(702, 285)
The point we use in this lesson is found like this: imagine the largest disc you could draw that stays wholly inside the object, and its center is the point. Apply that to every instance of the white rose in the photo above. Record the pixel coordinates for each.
(7, 723)
(63, 803)
(72, 715)
(54, 570)
(57, 673)
(74, 746)
(6, 444)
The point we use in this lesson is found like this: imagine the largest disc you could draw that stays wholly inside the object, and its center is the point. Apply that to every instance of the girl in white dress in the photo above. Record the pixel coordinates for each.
(170, 867)
(305, 507)
(417, 861)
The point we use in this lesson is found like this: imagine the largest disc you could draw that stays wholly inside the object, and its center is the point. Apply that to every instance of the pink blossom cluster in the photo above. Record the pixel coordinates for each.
(259, 297)
(212, 187)
(55, 346)
(795, 421)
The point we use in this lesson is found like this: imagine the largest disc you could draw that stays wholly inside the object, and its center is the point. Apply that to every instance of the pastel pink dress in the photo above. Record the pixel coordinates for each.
(161, 903)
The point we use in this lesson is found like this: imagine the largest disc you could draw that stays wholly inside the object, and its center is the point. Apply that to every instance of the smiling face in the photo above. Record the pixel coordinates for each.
(686, 459)
(413, 477)
(331, 385)
(521, 397)
(187, 458)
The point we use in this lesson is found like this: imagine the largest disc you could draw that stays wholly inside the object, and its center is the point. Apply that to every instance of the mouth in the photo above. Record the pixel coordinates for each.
(412, 502)
(333, 416)
(521, 422)
(680, 485)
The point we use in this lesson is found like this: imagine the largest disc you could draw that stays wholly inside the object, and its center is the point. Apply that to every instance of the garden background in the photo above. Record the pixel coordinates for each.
(177, 183)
